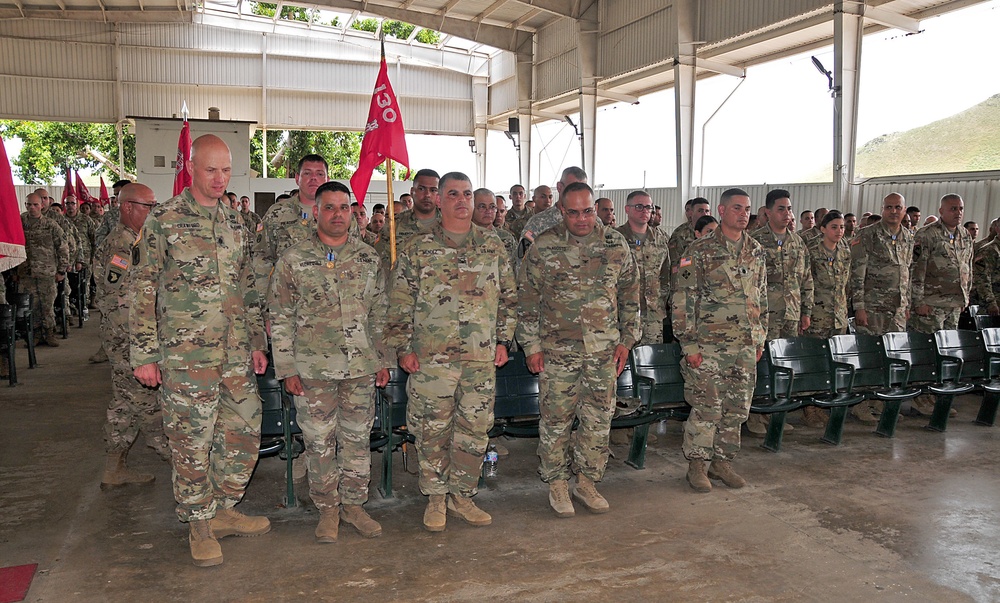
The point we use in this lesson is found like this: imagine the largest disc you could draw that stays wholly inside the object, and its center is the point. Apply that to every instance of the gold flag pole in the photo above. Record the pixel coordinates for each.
(392, 214)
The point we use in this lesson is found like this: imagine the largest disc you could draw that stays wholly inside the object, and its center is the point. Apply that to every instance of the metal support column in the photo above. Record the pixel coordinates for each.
(480, 109)
(525, 94)
(847, 30)
(588, 28)
(684, 89)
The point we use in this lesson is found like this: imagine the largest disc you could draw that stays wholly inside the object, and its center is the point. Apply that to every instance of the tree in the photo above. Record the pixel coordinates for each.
(288, 13)
(340, 149)
(50, 147)
(397, 29)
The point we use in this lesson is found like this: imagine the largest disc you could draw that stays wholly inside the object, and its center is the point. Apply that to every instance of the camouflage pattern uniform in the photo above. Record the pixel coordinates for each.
(986, 276)
(516, 220)
(252, 221)
(880, 277)
(86, 229)
(509, 243)
(789, 281)
(941, 276)
(450, 305)
(812, 233)
(132, 406)
(719, 310)
(195, 311)
(76, 251)
(652, 260)
(47, 249)
(286, 223)
(831, 271)
(327, 308)
(578, 299)
(407, 225)
(111, 217)
(543, 221)
(680, 238)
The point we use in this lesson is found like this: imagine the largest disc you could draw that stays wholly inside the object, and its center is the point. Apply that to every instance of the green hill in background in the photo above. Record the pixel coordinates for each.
(965, 142)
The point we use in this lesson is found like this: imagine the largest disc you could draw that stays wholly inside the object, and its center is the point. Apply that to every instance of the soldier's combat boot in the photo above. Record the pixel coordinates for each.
(329, 526)
(696, 476)
(588, 496)
(230, 522)
(205, 549)
(922, 405)
(814, 417)
(559, 498)
(757, 424)
(99, 356)
(50, 339)
(720, 469)
(863, 413)
(117, 474)
(465, 509)
(435, 515)
(362, 521)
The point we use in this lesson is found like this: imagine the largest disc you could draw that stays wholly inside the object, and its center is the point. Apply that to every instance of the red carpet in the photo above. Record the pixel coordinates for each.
(14, 582)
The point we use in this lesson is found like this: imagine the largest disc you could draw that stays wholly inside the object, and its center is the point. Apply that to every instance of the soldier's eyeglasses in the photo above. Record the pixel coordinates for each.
(142, 204)
(643, 207)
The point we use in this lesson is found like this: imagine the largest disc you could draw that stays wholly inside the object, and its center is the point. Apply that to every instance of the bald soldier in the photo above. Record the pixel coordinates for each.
(548, 217)
(483, 215)
(880, 279)
(719, 305)
(197, 333)
(941, 276)
(578, 317)
(133, 407)
(606, 212)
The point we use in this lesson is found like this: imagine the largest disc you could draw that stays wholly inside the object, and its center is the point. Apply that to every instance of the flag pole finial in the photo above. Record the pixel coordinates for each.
(184, 110)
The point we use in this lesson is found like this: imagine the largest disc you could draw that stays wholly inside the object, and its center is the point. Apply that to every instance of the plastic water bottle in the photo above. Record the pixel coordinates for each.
(490, 462)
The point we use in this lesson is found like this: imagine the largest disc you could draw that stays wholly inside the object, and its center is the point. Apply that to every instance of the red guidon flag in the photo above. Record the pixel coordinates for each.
(68, 189)
(82, 193)
(105, 197)
(11, 233)
(182, 179)
(384, 135)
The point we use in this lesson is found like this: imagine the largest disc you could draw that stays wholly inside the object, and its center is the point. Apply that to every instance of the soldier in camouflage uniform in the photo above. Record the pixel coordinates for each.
(941, 276)
(518, 214)
(327, 304)
(652, 260)
(684, 234)
(578, 317)
(111, 217)
(546, 218)
(880, 279)
(196, 331)
(789, 284)
(289, 221)
(830, 264)
(719, 308)
(250, 218)
(86, 229)
(986, 278)
(421, 218)
(133, 406)
(361, 219)
(814, 232)
(484, 213)
(451, 317)
(48, 260)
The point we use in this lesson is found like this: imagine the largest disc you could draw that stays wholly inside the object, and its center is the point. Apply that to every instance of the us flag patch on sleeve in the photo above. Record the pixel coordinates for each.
(120, 262)
(684, 262)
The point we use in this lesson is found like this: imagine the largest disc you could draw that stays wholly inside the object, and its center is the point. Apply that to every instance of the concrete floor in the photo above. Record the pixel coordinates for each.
(916, 518)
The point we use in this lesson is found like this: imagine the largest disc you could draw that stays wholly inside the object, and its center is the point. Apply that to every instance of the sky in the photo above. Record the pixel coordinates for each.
(777, 126)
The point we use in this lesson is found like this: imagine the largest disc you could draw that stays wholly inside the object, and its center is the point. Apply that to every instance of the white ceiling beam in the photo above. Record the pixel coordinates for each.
(447, 7)
(716, 66)
(277, 11)
(618, 96)
(150, 15)
(891, 19)
(560, 8)
(490, 10)
(528, 16)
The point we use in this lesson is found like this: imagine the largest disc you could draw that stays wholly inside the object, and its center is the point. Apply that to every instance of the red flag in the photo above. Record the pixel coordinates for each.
(384, 135)
(182, 179)
(105, 197)
(68, 189)
(82, 193)
(11, 233)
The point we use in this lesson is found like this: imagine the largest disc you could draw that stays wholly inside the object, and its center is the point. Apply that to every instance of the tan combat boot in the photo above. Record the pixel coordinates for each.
(463, 508)
(50, 339)
(589, 497)
(435, 515)
(329, 525)
(559, 498)
(814, 417)
(362, 521)
(205, 549)
(863, 413)
(99, 356)
(696, 476)
(230, 522)
(117, 474)
(720, 469)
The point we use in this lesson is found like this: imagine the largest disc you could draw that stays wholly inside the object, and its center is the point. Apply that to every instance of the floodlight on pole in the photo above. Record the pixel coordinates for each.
(819, 67)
